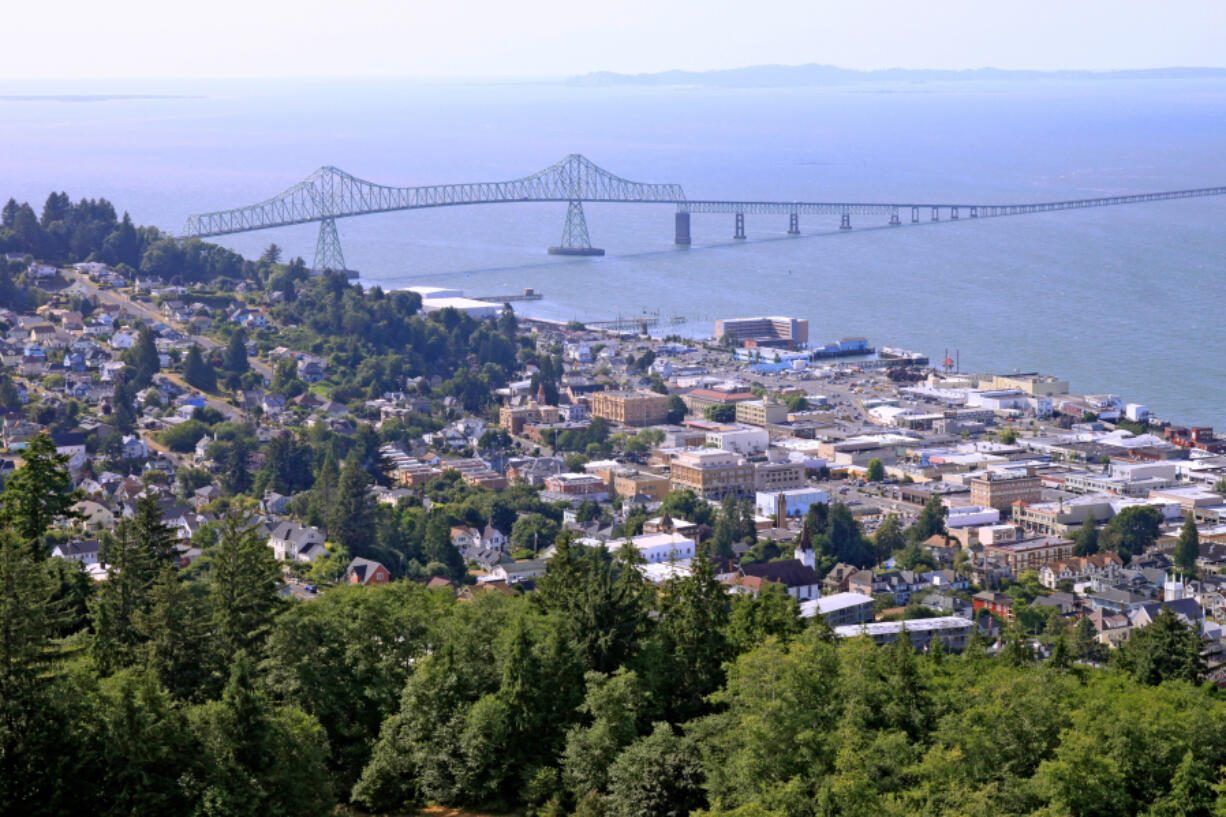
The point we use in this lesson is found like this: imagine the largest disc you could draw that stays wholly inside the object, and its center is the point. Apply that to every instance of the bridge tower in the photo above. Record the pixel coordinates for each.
(575, 240)
(328, 253)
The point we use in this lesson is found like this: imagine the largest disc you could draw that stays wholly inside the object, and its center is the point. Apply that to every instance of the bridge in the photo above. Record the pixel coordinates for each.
(330, 194)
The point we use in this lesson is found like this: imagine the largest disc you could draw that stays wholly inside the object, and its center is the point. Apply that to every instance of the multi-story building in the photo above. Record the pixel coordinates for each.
(761, 412)
(577, 486)
(652, 486)
(741, 439)
(1000, 491)
(772, 477)
(513, 418)
(952, 631)
(712, 474)
(1031, 554)
(840, 609)
(631, 408)
(699, 400)
(772, 330)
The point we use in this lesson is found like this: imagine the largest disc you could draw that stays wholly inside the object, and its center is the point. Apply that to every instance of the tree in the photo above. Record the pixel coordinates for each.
(350, 520)
(235, 358)
(720, 413)
(170, 626)
(242, 589)
(889, 538)
(614, 703)
(1132, 530)
(1086, 539)
(198, 372)
(658, 776)
(143, 358)
(534, 532)
(692, 641)
(677, 409)
(875, 471)
(1007, 435)
(1187, 547)
(1168, 649)
(770, 613)
(123, 410)
(931, 521)
(37, 493)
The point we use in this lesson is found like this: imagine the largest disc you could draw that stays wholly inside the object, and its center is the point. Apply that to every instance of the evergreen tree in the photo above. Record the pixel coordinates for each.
(198, 372)
(351, 521)
(9, 399)
(243, 589)
(1187, 547)
(1168, 649)
(931, 521)
(123, 411)
(235, 359)
(143, 358)
(889, 538)
(173, 635)
(693, 645)
(37, 493)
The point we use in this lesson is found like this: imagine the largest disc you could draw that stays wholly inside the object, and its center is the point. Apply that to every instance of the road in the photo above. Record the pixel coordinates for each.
(148, 312)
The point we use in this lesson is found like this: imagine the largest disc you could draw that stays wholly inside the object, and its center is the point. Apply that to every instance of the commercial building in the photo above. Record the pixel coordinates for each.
(952, 631)
(577, 486)
(711, 473)
(631, 408)
(662, 547)
(651, 486)
(778, 476)
(765, 331)
(1000, 491)
(1031, 554)
(698, 400)
(746, 440)
(793, 502)
(514, 418)
(761, 412)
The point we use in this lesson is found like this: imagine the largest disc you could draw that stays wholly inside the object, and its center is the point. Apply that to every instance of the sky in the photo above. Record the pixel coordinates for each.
(518, 39)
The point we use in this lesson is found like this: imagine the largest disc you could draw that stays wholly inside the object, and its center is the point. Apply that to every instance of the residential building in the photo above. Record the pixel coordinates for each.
(711, 473)
(631, 408)
(366, 572)
(952, 631)
(993, 602)
(296, 543)
(840, 609)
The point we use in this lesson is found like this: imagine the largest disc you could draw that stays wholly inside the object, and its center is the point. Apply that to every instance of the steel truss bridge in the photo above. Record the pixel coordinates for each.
(329, 194)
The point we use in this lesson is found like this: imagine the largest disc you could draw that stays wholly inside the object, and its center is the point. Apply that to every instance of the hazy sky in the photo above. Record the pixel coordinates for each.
(539, 38)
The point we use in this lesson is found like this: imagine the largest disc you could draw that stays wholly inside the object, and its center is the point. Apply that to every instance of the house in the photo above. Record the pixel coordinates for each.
(366, 572)
(134, 448)
(516, 572)
(94, 516)
(85, 551)
(311, 369)
(993, 602)
(297, 543)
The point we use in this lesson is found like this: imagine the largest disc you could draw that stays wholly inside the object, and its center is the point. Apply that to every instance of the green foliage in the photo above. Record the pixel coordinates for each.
(720, 413)
(796, 403)
(677, 409)
(658, 776)
(1132, 530)
(242, 589)
(1168, 649)
(1086, 538)
(875, 471)
(37, 493)
(1187, 547)
(198, 372)
(931, 521)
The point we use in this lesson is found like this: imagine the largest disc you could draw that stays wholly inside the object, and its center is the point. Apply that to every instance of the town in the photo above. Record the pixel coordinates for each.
(225, 460)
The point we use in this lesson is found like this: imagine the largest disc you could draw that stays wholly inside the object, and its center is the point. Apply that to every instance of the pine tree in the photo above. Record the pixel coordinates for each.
(1187, 548)
(243, 589)
(171, 630)
(123, 410)
(235, 359)
(1087, 537)
(198, 372)
(143, 358)
(37, 493)
(350, 520)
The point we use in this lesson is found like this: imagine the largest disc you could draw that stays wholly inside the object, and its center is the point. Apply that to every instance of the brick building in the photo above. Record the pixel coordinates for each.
(631, 408)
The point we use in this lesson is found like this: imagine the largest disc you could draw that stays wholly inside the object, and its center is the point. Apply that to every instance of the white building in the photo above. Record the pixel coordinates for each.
(663, 547)
(971, 516)
(740, 439)
(796, 502)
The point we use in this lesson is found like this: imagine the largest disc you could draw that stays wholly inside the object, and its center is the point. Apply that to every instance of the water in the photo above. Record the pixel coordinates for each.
(1124, 300)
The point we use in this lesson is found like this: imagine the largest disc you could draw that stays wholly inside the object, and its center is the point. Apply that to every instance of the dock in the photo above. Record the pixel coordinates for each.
(528, 294)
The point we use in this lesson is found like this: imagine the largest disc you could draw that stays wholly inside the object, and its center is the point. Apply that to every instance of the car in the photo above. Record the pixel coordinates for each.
(310, 588)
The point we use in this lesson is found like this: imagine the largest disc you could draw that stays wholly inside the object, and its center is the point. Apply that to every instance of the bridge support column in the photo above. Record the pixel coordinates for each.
(575, 240)
(974, 212)
(936, 213)
(953, 213)
(845, 222)
(739, 228)
(915, 215)
(895, 221)
(793, 223)
(328, 253)
(682, 230)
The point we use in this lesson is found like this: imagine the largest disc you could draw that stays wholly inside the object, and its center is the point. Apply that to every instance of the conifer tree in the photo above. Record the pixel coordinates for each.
(37, 493)
(1187, 548)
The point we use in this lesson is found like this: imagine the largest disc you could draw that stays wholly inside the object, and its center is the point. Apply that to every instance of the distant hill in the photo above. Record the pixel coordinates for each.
(815, 74)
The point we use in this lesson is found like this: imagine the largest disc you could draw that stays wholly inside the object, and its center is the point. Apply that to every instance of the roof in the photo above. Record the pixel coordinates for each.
(829, 604)
(895, 627)
(791, 572)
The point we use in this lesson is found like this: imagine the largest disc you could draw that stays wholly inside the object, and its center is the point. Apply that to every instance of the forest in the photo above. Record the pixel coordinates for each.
(207, 692)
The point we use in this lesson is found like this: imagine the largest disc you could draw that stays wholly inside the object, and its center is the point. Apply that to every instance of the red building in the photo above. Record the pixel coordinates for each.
(993, 602)
(366, 571)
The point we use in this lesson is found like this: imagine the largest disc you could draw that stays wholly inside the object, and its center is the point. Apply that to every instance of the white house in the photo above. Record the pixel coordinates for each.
(298, 543)
(663, 547)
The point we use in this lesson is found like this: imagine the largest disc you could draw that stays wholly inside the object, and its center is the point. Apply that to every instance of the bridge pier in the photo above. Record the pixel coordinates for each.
(682, 230)
(974, 212)
(845, 222)
(915, 215)
(575, 239)
(953, 213)
(739, 229)
(936, 213)
(328, 253)
(895, 221)
(793, 223)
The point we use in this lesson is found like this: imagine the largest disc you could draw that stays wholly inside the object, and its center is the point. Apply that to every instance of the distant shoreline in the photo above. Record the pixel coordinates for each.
(91, 97)
(816, 75)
